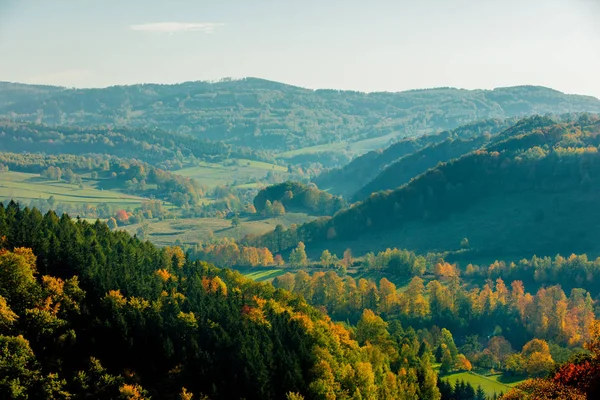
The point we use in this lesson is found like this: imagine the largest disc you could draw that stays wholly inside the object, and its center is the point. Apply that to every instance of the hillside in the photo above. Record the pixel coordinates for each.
(275, 116)
(148, 145)
(90, 313)
(409, 166)
(521, 196)
(296, 196)
(347, 180)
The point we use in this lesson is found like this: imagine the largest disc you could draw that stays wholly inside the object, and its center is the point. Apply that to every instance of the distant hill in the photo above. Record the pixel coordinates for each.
(532, 193)
(347, 180)
(150, 145)
(270, 115)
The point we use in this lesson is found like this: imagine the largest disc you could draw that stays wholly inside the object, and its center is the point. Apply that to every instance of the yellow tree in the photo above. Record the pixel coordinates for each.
(418, 307)
(388, 295)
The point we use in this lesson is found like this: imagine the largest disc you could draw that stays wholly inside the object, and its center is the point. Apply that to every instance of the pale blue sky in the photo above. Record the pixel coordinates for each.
(367, 45)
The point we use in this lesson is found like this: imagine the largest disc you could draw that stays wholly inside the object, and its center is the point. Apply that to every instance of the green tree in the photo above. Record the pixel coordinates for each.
(480, 393)
(17, 367)
(112, 223)
(298, 256)
(326, 259)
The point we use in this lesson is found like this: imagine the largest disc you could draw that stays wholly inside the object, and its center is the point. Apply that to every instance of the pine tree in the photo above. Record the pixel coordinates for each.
(480, 394)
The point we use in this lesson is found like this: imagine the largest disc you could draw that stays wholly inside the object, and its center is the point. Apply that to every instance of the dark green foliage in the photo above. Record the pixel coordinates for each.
(349, 179)
(300, 197)
(559, 160)
(403, 170)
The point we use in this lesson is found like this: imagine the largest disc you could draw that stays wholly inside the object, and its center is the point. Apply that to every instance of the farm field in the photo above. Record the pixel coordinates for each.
(259, 274)
(192, 230)
(490, 384)
(25, 187)
(212, 174)
(354, 148)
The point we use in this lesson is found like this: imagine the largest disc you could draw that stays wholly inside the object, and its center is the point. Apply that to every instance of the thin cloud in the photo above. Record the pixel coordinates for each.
(176, 27)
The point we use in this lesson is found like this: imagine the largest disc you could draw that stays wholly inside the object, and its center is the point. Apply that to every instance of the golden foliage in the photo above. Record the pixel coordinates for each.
(116, 298)
(164, 274)
(7, 316)
(174, 253)
(131, 392)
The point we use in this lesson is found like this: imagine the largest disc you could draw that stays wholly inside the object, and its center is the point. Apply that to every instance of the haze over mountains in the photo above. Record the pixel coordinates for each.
(273, 116)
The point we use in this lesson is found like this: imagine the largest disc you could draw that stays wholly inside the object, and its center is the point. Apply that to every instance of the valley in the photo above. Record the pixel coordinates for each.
(303, 244)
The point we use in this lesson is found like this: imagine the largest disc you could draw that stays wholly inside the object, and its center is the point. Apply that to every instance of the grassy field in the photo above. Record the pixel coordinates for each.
(26, 187)
(211, 174)
(192, 230)
(354, 148)
(259, 274)
(491, 384)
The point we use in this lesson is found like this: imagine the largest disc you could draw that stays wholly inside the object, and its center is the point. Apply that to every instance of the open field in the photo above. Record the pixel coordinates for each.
(212, 174)
(261, 274)
(490, 384)
(192, 230)
(354, 148)
(25, 187)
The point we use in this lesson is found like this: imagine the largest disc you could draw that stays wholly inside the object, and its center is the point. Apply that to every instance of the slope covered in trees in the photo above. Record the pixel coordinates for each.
(412, 165)
(148, 145)
(297, 196)
(533, 193)
(90, 313)
(270, 115)
(347, 180)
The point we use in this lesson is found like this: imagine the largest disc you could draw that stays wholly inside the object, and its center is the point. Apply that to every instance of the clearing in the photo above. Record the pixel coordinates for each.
(24, 187)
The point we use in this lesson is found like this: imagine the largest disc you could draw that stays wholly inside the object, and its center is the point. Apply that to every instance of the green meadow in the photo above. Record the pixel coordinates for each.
(25, 187)
(491, 384)
(241, 171)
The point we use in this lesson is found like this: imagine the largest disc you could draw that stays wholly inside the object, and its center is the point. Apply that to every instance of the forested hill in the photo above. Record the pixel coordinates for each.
(412, 165)
(271, 115)
(150, 145)
(533, 193)
(347, 180)
(90, 313)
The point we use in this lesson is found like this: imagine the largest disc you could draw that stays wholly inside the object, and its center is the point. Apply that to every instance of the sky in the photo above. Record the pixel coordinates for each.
(365, 45)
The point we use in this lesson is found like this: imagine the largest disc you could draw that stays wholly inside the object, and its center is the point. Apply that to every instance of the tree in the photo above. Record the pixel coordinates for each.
(326, 259)
(480, 393)
(112, 223)
(298, 256)
(347, 261)
(16, 367)
(277, 209)
(447, 362)
(462, 363)
(464, 244)
(235, 222)
(268, 209)
(371, 328)
(122, 217)
(143, 230)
